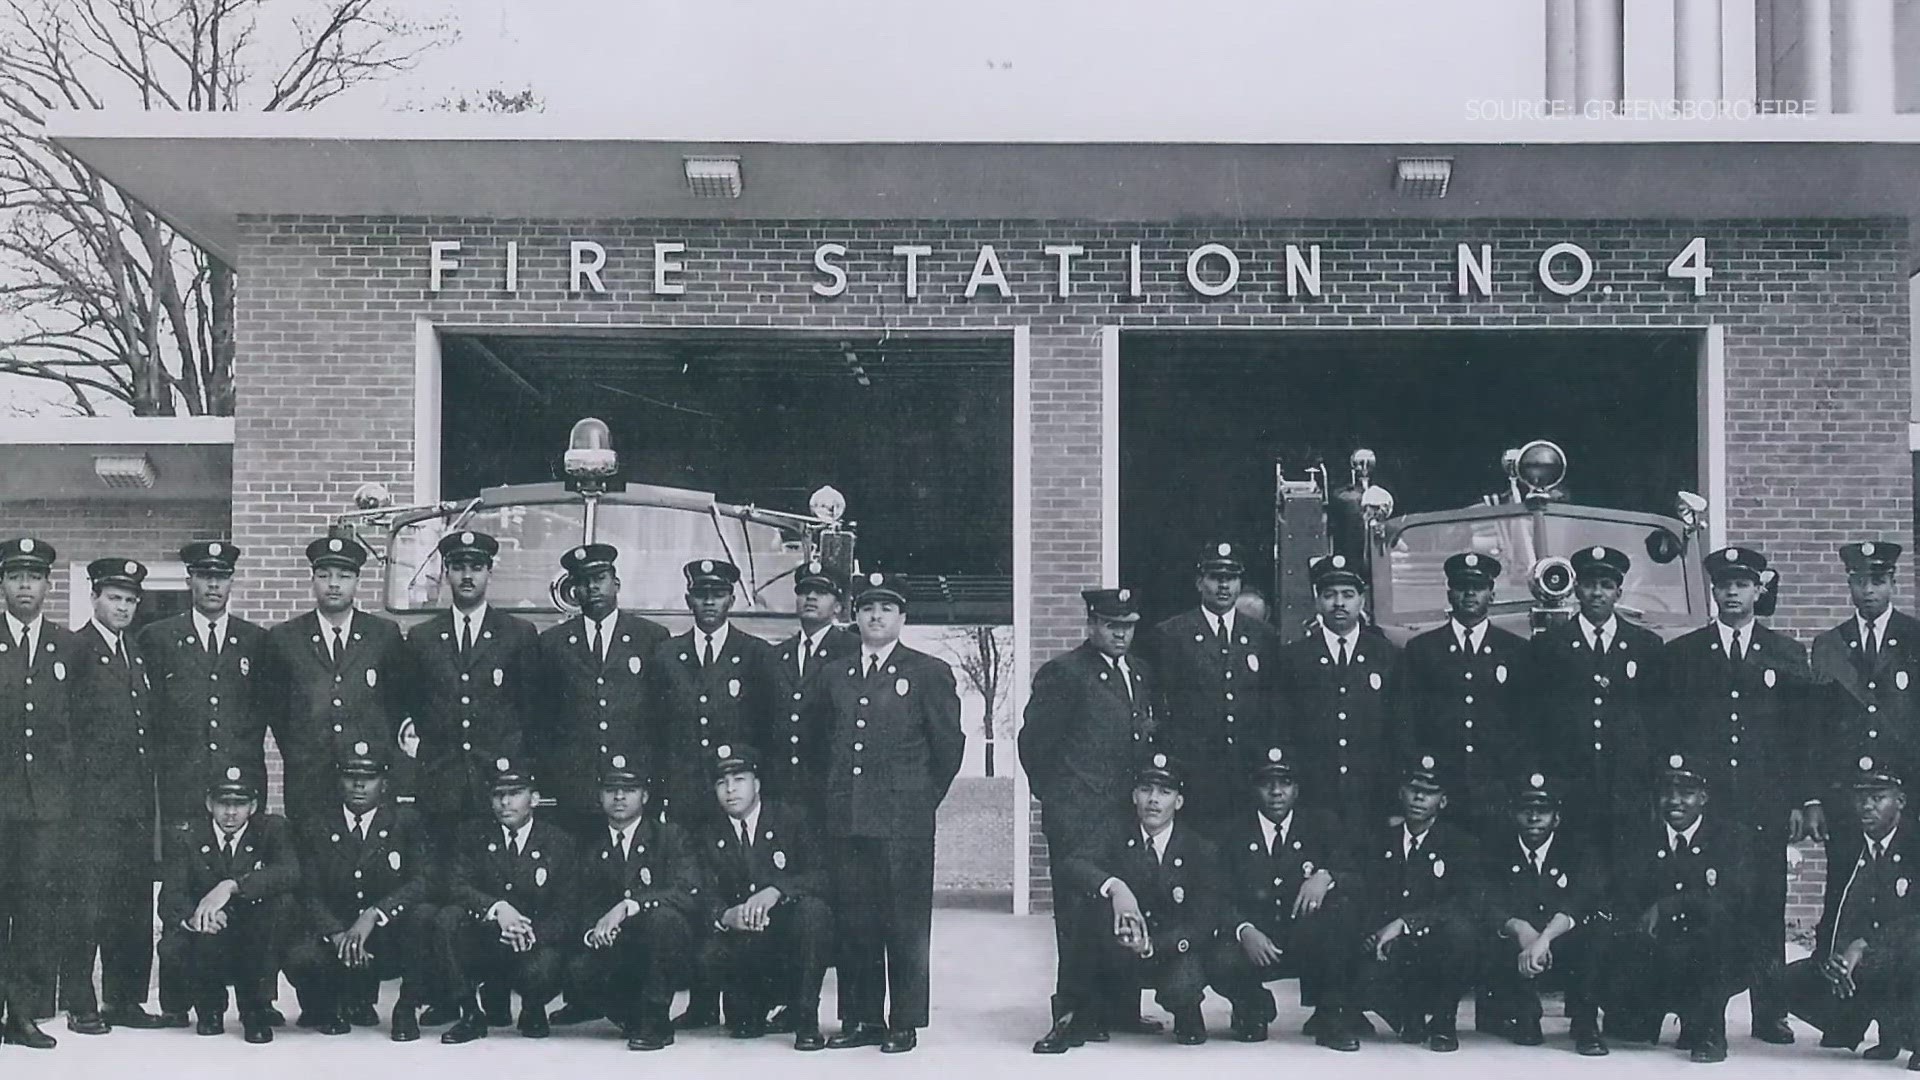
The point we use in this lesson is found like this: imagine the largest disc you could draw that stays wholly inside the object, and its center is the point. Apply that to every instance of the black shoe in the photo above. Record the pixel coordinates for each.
(1588, 1043)
(900, 1040)
(1883, 1051)
(1338, 1032)
(1774, 1031)
(360, 1016)
(655, 1034)
(1137, 1025)
(333, 1025)
(1060, 1038)
(1526, 1031)
(1248, 1031)
(806, 1036)
(570, 1013)
(406, 1024)
(87, 1023)
(131, 1016)
(533, 1021)
(22, 1031)
(436, 1015)
(750, 1026)
(169, 1019)
(211, 1023)
(699, 1014)
(466, 1029)
(256, 1028)
(1189, 1029)
(274, 1017)
(1707, 1050)
(858, 1034)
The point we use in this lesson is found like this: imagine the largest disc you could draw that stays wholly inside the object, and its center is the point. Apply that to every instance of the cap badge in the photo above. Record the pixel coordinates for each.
(359, 748)
(1159, 761)
(779, 860)
(466, 538)
(725, 750)
(1536, 780)
(1732, 554)
(1426, 761)
(1598, 553)
(233, 772)
(1126, 595)
(26, 545)
(619, 761)
(1439, 868)
(706, 566)
(132, 567)
(1274, 754)
(502, 764)
(579, 553)
(814, 567)
(1338, 562)
(876, 578)
(214, 549)
(1224, 549)
(1713, 877)
(1472, 560)
(1866, 763)
(1675, 761)
(1867, 549)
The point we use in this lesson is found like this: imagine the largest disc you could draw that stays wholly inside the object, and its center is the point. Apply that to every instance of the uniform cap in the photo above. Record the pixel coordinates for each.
(26, 552)
(1736, 562)
(1273, 761)
(1425, 771)
(734, 757)
(361, 758)
(880, 585)
(1872, 774)
(1325, 570)
(1870, 555)
(467, 542)
(584, 559)
(620, 767)
(1160, 767)
(1685, 769)
(216, 556)
(228, 780)
(507, 774)
(338, 551)
(1221, 555)
(1593, 561)
(1536, 788)
(1471, 566)
(817, 573)
(113, 571)
(711, 573)
(1113, 605)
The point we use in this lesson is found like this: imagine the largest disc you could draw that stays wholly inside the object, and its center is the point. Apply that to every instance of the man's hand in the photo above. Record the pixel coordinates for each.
(212, 904)
(1839, 968)
(516, 930)
(1380, 939)
(608, 927)
(735, 919)
(1522, 933)
(1312, 894)
(1126, 911)
(1536, 957)
(520, 939)
(351, 944)
(1260, 949)
(758, 908)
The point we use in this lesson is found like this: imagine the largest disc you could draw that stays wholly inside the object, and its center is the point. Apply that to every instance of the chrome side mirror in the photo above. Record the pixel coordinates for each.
(1691, 509)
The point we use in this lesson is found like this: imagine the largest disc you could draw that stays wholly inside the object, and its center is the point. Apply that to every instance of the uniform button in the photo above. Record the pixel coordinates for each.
(29, 757)
(859, 723)
(603, 725)
(703, 721)
(466, 723)
(336, 729)
(1343, 770)
(1229, 740)
(466, 701)
(1469, 748)
(856, 770)
(1340, 716)
(464, 677)
(1871, 686)
(336, 703)
(1469, 699)
(1469, 676)
(1596, 746)
(703, 742)
(357, 874)
(1873, 734)
(603, 703)
(1873, 708)
(213, 746)
(1733, 738)
(215, 676)
(1733, 716)
(1229, 695)
(1229, 675)
(1597, 676)
(1343, 689)
(703, 699)
(213, 723)
(857, 747)
(1343, 742)
(1229, 718)
(863, 701)
(213, 701)
(1467, 723)
(1596, 725)
(29, 706)
(466, 746)
(603, 749)
(1599, 701)
(336, 678)
(795, 718)
(1733, 693)
(796, 695)
(601, 681)
(1734, 762)
(793, 738)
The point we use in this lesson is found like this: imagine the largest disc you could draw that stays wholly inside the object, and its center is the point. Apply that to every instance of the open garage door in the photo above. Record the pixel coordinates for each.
(1205, 416)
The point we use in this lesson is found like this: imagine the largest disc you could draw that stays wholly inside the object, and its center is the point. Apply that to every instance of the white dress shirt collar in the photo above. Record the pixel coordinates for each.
(517, 838)
(1879, 626)
(1474, 634)
(367, 818)
(623, 836)
(1351, 637)
(718, 637)
(1545, 846)
(1271, 831)
(1157, 843)
(478, 615)
(1611, 628)
(112, 639)
(326, 627)
(209, 630)
(1686, 837)
(30, 631)
(752, 821)
(868, 657)
(1219, 622)
(229, 840)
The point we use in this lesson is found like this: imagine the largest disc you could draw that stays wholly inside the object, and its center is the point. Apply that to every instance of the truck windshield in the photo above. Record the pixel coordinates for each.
(654, 543)
(1415, 561)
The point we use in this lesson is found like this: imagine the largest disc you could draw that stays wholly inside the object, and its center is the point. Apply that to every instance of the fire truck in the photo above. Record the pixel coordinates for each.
(1531, 527)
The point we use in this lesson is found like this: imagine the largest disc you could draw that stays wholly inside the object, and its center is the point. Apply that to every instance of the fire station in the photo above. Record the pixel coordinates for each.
(1037, 366)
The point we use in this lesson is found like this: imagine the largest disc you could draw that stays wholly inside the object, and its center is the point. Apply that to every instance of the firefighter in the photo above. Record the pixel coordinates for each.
(110, 911)
(209, 704)
(475, 683)
(339, 676)
(1596, 692)
(1334, 697)
(1546, 904)
(1162, 887)
(1284, 912)
(37, 662)
(1089, 718)
(1422, 909)
(797, 724)
(1866, 674)
(1461, 689)
(1214, 667)
(1679, 900)
(1861, 970)
(226, 893)
(1736, 694)
(594, 675)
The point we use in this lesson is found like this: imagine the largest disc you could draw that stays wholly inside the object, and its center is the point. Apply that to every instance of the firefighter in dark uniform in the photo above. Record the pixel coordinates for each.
(770, 929)
(1214, 670)
(366, 872)
(1334, 696)
(339, 676)
(1680, 890)
(1423, 910)
(1162, 888)
(594, 674)
(1866, 674)
(1547, 907)
(1737, 694)
(111, 860)
(893, 749)
(512, 900)
(1596, 693)
(1461, 693)
(37, 669)
(226, 895)
(795, 748)
(1861, 970)
(475, 680)
(1089, 718)
(711, 685)
(639, 898)
(1289, 909)
(209, 705)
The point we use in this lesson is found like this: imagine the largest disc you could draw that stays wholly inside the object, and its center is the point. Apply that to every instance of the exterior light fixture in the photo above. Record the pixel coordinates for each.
(713, 177)
(126, 472)
(1422, 178)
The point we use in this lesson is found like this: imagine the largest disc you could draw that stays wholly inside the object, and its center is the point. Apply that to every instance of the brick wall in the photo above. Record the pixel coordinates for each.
(83, 530)
(1815, 317)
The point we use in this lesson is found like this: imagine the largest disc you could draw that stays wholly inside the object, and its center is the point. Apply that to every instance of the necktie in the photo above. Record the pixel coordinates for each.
(120, 652)
(466, 634)
(1599, 642)
(706, 650)
(1279, 842)
(1343, 652)
(206, 640)
(1536, 859)
(1739, 645)
(360, 827)
(599, 646)
(746, 838)
(339, 645)
(226, 848)
(1466, 642)
(1879, 848)
(1870, 648)
(619, 845)
(1675, 843)
(873, 665)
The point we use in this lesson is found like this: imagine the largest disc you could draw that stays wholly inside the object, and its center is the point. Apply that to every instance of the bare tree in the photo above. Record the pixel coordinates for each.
(96, 293)
(985, 654)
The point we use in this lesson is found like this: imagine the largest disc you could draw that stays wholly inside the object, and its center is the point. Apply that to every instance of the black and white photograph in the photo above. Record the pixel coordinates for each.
(1239, 536)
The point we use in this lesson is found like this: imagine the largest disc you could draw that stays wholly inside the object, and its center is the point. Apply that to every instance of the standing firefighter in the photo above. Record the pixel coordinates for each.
(797, 726)
(1866, 674)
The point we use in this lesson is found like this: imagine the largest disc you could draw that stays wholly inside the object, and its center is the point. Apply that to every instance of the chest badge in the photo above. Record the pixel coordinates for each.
(373, 678)
(246, 666)
(1500, 673)
(901, 686)
(1769, 678)
(1561, 881)
(393, 859)
(1633, 669)
(633, 665)
(1900, 680)
(540, 877)
(1179, 895)
(1439, 868)
(59, 671)
(779, 860)
(646, 876)
(1373, 679)
(499, 678)
(1307, 868)
(1713, 877)
(1900, 887)
(1253, 662)
(733, 687)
